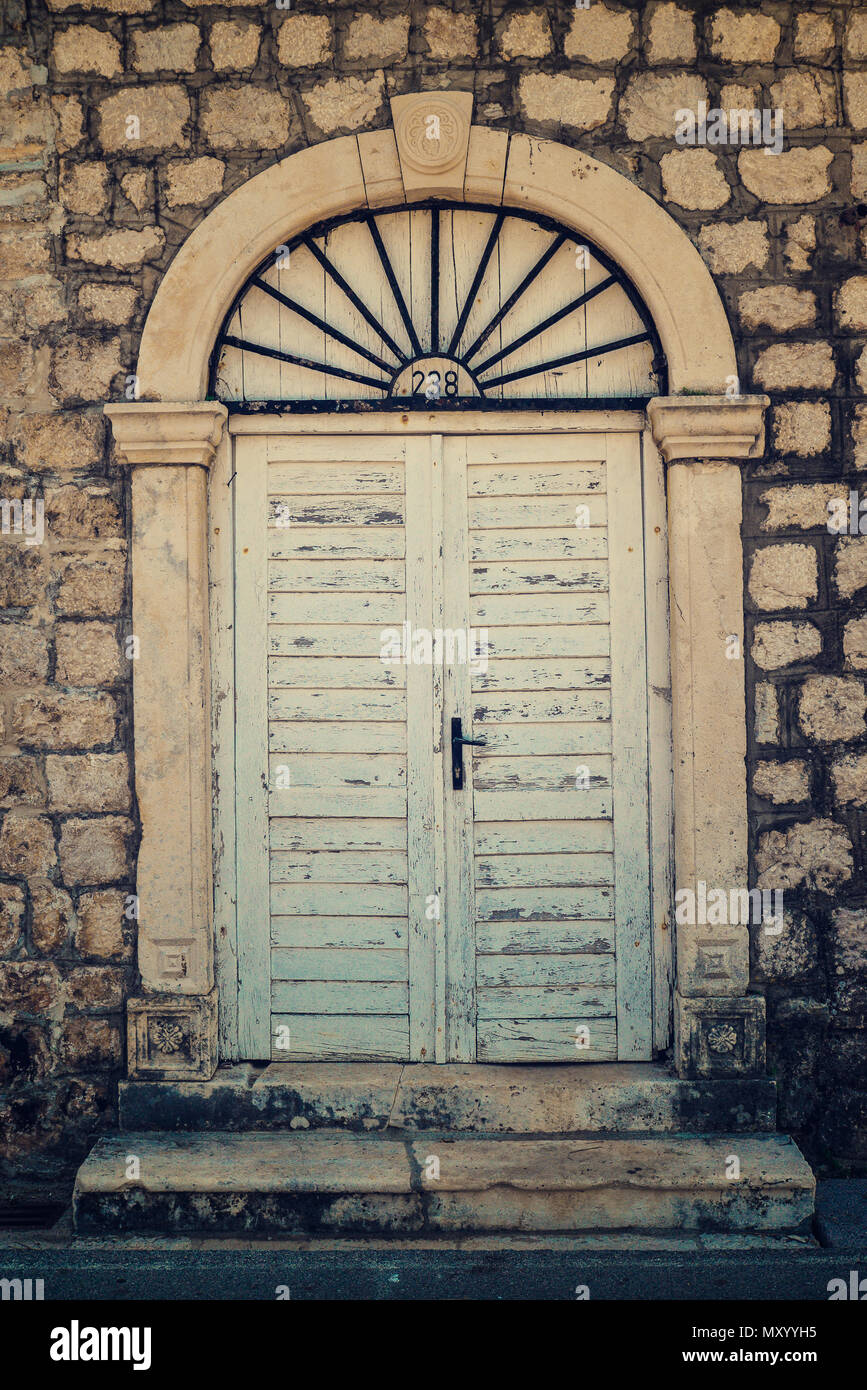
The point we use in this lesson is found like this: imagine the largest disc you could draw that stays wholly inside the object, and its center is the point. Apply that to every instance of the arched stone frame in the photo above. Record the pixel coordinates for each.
(169, 438)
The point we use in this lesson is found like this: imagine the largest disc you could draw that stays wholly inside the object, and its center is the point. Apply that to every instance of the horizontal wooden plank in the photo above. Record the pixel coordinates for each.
(541, 773)
(542, 707)
(313, 963)
(543, 837)
(516, 460)
(337, 899)
(510, 512)
(337, 542)
(532, 610)
(339, 801)
(333, 736)
(334, 673)
(339, 640)
(541, 870)
(358, 770)
(304, 479)
(548, 938)
(521, 577)
(339, 866)
(388, 609)
(555, 673)
(361, 933)
(388, 704)
(542, 904)
(339, 997)
(545, 1040)
(549, 805)
(575, 971)
(577, 1002)
(568, 639)
(331, 448)
(330, 1038)
(358, 576)
(524, 740)
(287, 511)
(296, 834)
(539, 544)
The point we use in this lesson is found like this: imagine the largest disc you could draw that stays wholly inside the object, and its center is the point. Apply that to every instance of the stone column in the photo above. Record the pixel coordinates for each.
(719, 1027)
(172, 1025)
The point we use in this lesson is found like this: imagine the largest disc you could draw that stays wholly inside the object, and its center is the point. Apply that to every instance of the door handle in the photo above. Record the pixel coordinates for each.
(458, 742)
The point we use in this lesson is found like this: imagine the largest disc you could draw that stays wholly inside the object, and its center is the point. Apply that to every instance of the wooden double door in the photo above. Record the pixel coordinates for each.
(402, 895)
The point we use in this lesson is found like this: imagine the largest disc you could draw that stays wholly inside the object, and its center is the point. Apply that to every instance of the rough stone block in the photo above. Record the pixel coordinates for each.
(730, 247)
(816, 854)
(95, 851)
(145, 118)
(564, 100)
(450, 36)
(88, 654)
(244, 118)
(27, 846)
(170, 48)
(88, 782)
(783, 576)
(832, 708)
(234, 45)
(56, 720)
(304, 41)
(344, 104)
(800, 175)
(527, 35)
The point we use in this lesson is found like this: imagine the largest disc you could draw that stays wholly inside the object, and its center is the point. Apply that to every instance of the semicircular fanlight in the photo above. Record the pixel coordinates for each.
(437, 305)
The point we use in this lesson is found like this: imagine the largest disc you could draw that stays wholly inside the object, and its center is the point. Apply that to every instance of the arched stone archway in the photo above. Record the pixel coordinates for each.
(169, 437)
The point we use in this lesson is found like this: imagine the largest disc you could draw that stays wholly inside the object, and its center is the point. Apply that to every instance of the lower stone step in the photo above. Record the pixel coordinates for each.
(618, 1098)
(338, 1182)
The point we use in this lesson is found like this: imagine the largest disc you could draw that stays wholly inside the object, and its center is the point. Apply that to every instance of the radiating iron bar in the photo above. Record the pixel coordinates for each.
(515, 296)
(321, 324)
(477, 280)
(564, 361)
(547, 323)
(434, 281)
(304, 362)
(353, 299)
(395, 287)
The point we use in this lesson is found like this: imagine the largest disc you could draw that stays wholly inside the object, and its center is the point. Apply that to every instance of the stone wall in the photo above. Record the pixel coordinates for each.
(122, 122)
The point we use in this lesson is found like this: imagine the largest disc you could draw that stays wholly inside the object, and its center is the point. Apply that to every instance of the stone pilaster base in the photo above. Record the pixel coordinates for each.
(172, 1037)
(719, 1037)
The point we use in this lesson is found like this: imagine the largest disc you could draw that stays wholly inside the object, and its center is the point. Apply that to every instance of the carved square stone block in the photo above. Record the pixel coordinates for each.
(172, 1038)
(719, 1037)
(712, 960)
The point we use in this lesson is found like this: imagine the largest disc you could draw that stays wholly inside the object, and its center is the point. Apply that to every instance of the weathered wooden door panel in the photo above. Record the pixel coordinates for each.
(334, 766)
(561, 901)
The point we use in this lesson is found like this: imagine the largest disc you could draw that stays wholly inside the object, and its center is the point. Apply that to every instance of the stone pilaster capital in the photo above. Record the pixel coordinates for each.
(162, 434)
(708, 427)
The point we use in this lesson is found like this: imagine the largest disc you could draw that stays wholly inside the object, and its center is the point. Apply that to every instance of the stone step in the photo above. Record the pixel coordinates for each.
(617, 1098)
(342, 1183)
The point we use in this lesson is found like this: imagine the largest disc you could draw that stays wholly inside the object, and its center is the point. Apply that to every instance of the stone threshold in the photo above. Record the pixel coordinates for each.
(614, 1098)
(334, 1182)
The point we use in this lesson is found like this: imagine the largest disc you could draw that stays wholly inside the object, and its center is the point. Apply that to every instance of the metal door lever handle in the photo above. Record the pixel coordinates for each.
(458, 742)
